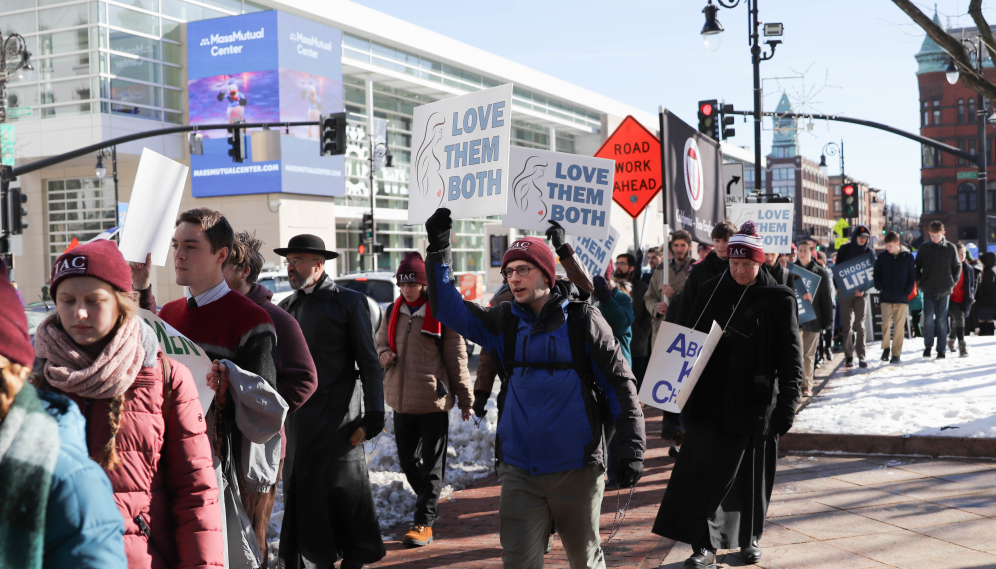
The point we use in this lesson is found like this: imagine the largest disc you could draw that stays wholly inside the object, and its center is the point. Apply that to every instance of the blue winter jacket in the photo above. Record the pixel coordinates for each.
(895, 276)
(548, 420)
(83, 526)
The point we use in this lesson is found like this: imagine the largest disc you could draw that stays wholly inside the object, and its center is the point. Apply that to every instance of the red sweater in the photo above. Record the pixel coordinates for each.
(958, 294)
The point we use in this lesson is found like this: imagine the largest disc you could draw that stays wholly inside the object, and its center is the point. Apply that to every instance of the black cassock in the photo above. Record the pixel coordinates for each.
(721, 485)
(329, 509)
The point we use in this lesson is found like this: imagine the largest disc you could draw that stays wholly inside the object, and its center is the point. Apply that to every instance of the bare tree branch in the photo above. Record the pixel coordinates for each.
(954, 48)
(985, 32)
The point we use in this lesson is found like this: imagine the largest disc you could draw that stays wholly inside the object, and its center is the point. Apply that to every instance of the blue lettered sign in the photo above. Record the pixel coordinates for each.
(855, 274)
(595, 254)
(805, 282)
(774, 223)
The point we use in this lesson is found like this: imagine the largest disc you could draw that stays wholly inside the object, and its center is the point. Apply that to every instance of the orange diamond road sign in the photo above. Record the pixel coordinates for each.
(637, 153)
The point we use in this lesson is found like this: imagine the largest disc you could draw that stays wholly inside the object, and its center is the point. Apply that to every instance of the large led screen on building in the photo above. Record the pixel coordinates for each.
(264, 67)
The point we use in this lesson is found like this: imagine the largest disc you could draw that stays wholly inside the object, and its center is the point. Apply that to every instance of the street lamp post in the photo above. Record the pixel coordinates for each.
(712, 34)
(13, 47)
(832, 149)
(101, 172)
(976, 46)
(377, 149)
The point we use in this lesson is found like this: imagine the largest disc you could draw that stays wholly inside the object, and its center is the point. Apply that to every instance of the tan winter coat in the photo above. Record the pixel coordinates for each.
(410, 383)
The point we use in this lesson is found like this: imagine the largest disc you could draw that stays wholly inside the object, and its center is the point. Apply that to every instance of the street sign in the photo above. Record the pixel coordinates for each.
(973, 175)
(637, 153)
(838, 227)
(7, 140)
(15, 112)
(840, 242)
(733, 182)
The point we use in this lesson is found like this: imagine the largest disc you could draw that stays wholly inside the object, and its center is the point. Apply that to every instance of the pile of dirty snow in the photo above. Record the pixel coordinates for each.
(953, 397)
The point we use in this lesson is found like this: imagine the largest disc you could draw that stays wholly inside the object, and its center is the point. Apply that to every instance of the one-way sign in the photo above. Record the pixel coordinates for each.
(733, 183)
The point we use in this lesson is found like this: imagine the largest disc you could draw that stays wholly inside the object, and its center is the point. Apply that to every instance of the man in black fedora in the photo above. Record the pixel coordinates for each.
(329, 509)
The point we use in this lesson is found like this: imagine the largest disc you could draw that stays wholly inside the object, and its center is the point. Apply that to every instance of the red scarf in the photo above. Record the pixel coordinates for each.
(430, 326)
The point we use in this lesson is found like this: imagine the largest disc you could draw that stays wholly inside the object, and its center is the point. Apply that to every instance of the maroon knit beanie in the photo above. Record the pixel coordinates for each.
(534, 250)
(746, 244)
(15, 343)
(412, 269)
(99, 259)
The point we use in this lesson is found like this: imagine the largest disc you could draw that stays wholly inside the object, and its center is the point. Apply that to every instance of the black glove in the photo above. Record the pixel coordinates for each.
(555, 233)
(437, 229)
(601, 288)
(629, 473)
(373, 423)
(780, 423)
(480, 400)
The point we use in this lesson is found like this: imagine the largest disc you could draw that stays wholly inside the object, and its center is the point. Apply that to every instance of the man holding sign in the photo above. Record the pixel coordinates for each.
(555, 404)
(852, 305)
(744, 400)
(822, 306)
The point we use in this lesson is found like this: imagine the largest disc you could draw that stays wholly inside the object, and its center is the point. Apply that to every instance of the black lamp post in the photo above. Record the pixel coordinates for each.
(14, 48)
(377, 149)
(712, 34)
(976, 47)
(101, 171)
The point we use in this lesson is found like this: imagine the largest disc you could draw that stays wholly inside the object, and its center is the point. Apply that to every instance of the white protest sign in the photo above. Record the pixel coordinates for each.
(460, 155)
(155, 201)
(575, 191)
(676, 363)
(179, 348)
(595, 254)
(774, 223)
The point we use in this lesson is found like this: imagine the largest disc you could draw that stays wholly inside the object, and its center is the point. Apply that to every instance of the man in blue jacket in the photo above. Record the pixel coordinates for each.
(554, 405)
(895, 277)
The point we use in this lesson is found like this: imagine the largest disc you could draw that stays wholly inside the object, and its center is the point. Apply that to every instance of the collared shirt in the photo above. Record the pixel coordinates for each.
(311, 289)
(210, 295)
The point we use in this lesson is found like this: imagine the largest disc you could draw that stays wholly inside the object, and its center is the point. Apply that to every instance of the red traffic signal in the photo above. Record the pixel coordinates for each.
(706, 109)
(848, 190)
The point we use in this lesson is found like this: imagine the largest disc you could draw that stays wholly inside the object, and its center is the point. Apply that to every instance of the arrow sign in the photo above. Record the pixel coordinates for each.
(732, 181)
(733, 176)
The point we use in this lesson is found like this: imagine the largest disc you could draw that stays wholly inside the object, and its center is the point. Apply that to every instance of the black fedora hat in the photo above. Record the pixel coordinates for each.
(306, 244)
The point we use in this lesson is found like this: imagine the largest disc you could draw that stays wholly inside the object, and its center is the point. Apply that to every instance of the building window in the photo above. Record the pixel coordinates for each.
(926, 113)
(783, 173)
(930, 157)
(970, 117)
(836, 206)
(971, 232)
(961, 146)
(967, 197)
(78, 208)
(931, 198)
(971, 146)
(961, 111)
(937, 111)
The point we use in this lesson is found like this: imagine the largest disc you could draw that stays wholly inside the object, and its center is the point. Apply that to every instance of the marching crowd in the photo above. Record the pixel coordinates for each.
(109, 460)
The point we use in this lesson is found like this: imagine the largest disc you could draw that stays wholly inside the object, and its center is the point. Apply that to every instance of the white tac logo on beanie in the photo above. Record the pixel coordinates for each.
(71, 266)
(523, 245)
(406, 277)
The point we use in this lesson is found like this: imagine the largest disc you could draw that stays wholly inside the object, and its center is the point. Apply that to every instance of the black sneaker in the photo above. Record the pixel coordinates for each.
(894, 360)
(751, 553)
(940, 355)
(703, 558)
(862, 363)
(849, 362)
(926, 353)
(885, 355)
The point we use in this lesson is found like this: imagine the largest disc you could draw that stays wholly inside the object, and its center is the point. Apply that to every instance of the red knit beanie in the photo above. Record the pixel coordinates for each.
(534, 250)
(15, 343)
(99, 259)
(412, 269)
(746, 244)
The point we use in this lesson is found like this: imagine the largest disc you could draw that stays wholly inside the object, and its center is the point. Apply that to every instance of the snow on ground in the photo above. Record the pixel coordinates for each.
(953, 397)
(470, 456)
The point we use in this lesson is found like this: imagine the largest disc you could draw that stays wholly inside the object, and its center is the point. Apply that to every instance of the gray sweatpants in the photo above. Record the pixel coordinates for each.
(852, 312)
(572, 498)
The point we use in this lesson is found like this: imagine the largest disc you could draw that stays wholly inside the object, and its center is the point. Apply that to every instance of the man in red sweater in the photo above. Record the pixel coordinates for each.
(225, 324)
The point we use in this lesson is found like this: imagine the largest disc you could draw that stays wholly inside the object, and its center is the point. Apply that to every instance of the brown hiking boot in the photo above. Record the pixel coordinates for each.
(418, 536)
(950, 344)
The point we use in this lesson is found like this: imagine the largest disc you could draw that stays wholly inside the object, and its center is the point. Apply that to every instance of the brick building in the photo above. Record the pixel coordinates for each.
(948, 114)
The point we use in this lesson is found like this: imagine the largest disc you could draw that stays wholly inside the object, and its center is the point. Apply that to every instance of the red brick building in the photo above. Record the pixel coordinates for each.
(948, 114)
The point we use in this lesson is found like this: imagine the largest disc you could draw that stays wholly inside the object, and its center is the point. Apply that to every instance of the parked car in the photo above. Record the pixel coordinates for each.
(36, 312)
(378, 285)
(276, 281)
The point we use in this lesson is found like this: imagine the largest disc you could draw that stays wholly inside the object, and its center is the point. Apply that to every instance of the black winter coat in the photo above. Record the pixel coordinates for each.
(895, 276)
(781, 275)
(710, 267)
(985, 295)
(937, 267)
(643, 325)
(755, 372)
(851, 249)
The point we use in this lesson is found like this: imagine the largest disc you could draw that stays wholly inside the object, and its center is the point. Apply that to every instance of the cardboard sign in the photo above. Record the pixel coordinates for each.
(774, 223)
(595, 254)
(460, 153)
(806, 281)
(637, 155)
(155, 201)
(179, 348)
(575, 191)
(855, 274)
(676, 363)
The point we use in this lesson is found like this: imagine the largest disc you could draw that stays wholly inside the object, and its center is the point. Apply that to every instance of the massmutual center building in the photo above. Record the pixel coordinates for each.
(105, 69)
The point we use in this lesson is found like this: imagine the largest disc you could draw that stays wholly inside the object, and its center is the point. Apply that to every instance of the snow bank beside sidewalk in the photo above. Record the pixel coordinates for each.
(954, 397)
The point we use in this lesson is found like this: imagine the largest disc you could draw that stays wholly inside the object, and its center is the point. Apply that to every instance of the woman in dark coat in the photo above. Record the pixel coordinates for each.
(985, 294)
(746, 398)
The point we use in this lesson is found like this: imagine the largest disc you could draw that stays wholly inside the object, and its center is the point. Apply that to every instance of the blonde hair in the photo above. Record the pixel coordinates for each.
(12, 378)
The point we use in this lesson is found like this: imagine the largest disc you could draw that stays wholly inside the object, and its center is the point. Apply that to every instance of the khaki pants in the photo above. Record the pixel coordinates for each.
(894, 317)
(809, 340)
(572, 498)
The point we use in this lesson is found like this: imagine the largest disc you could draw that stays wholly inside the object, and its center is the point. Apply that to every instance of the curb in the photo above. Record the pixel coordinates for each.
(887, 444)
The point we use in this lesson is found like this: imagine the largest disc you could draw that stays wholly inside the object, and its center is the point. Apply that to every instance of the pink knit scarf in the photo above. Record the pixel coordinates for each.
(69, 368)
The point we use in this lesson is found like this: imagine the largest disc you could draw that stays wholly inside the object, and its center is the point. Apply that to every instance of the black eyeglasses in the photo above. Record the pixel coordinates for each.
(521, 271)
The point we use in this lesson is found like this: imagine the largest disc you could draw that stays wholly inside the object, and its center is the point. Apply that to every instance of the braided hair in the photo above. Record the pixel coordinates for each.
(109, 459)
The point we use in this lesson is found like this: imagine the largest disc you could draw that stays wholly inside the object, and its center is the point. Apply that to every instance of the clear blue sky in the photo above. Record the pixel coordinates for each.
(649, 53)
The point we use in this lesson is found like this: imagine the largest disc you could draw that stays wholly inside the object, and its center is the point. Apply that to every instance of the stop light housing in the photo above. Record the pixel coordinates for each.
(850, 201)
(333, 128)
(237, 142)
(709, 118)
(366, 228)
(726, 121)
(15, 211)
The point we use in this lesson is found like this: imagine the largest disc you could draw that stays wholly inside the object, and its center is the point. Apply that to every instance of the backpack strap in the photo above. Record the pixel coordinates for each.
(167, 391)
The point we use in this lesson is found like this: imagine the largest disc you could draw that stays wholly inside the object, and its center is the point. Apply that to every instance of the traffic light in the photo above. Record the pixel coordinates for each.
(16, 212)
(726, 119)
(237, 142)
(377, 248)
(333, 129)
(850, 201)
(708, 115)
(366, 228)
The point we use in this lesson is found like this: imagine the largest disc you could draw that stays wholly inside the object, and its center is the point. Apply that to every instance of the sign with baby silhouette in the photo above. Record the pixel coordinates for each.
(575, 191)
(773, 220)
(460, 154)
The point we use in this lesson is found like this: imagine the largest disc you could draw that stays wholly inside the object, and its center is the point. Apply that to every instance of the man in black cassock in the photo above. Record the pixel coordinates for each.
(329, 510)
(719, 490)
